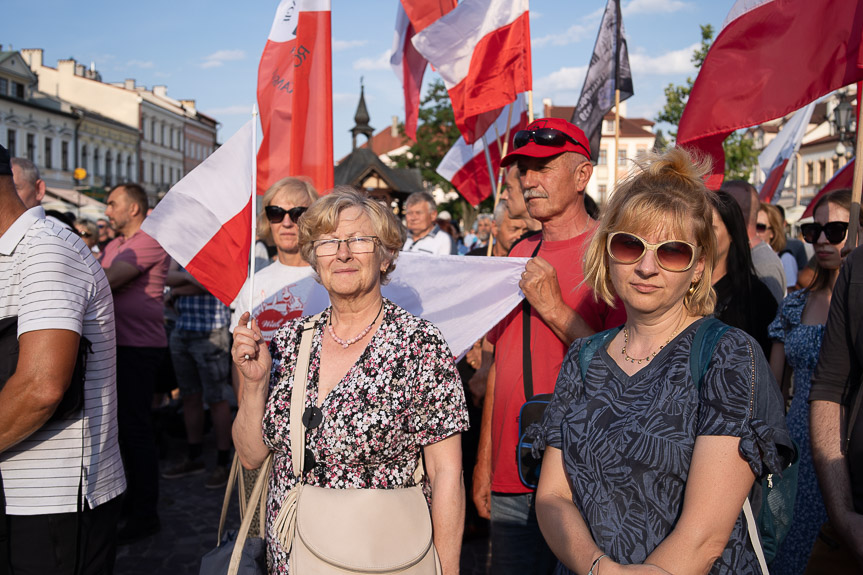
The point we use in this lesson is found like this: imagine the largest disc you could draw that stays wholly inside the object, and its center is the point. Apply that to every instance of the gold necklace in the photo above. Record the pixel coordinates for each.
(652, 355)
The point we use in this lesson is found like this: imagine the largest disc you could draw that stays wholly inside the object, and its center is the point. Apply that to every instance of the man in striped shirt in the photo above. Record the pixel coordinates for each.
(62, 477)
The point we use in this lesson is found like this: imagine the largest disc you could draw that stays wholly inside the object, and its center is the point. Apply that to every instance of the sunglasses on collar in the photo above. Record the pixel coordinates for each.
(275, 214)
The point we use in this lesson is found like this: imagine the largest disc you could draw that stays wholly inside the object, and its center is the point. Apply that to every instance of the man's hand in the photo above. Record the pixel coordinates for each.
(482, 487)
(540, 286)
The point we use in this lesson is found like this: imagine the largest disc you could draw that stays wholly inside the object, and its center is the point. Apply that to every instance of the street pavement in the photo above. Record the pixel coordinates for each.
(190, 519)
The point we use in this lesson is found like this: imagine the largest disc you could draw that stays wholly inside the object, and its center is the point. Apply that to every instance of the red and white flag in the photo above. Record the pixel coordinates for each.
(204, 222)
(413, 16)
(775, 159)
(844, 178)
(295, 96)
(465, 165)
(770, 58)
(482, 51)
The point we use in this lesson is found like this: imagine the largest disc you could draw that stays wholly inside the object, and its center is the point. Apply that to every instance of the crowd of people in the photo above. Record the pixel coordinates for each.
(643, 456)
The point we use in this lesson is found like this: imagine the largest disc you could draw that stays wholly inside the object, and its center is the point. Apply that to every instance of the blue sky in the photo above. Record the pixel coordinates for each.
(209, 50)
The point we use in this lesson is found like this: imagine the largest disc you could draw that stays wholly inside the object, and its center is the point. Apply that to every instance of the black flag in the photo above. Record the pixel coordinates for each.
(597, 94)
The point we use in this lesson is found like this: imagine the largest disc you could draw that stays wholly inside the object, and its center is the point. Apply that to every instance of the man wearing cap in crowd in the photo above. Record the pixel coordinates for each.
(62, 475)
(553, 158)
(424, 235)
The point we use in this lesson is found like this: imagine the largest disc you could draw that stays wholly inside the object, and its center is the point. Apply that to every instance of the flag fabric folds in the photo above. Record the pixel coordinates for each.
(465, 167)
(295, 96)
(770, 58)
(597, 94)
(481, 49)
(413, 16)
(775, 159)
(844, 178)
(204, 222)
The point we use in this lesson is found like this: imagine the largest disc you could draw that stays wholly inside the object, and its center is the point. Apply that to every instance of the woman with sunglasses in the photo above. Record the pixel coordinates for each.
(382, 386)
(797, 332)
(642, 472)
(771, 229)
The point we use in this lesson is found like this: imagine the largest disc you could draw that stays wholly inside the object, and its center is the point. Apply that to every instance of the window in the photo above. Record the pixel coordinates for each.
(84, 163)
(96, 166)
(170, 174)
(822, 169)
(49, 160)
(108, 164)
(603, 157)
(602, 189)
(161, 173)
(64, 156)
(640, 150)
(119, 168)
(835, 165)
(152, 131)
(153, 172)
(810, 174)
(31, 147)
(10, 142)
(129, 176)
(4, 87)
(621, 157)
(608, 126)
(18, 90)
(173, 143)
(162, 135)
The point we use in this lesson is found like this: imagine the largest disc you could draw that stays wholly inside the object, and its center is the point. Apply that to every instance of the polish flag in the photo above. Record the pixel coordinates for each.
(465, 167)
(295, 96)
(204, 222)
(482, 51)
(770, 58)
(775, 160)
(413, 16)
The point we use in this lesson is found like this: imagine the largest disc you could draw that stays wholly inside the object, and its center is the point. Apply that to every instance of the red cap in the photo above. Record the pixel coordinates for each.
(534, 150)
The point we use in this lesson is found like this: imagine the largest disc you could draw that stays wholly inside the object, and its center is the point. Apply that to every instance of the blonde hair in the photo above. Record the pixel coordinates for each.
(664, 191)
(298, 191)
(323, 218)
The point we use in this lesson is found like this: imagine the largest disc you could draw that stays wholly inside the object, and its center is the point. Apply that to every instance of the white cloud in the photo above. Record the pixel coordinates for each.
(654, 7)
(339, 45)
(218, 58)
(534, 15)
(562, 80)
(382, 62)
(674, 62)
(238, 110)
(140, 64)
(573, 34)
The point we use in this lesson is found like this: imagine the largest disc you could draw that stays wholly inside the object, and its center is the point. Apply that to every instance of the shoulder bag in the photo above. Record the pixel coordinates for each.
(342, 531)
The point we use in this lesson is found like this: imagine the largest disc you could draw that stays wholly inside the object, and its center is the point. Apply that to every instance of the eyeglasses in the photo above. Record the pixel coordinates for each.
(544, 137)
(101, 225)
(671, 255)
(761, 228)
(275, 214)
(356, 245)
(834, 231)
(85, 234)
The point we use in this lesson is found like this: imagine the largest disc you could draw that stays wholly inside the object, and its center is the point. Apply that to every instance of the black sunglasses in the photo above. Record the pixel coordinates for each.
(544, 137)
(312, 418)
(834, 231)
(275, 214)
(761, 227)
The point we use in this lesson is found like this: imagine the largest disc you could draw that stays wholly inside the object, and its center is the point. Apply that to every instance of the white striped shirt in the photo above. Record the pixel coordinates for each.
(50, 280)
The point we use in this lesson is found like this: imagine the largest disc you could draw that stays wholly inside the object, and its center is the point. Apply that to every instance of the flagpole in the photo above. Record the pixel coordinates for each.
(616, 91)
(854, 221)
(529, 106)
(500, 172)
(254, 215)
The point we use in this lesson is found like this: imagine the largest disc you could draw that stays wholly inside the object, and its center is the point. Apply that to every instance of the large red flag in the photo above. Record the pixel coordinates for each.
(295, 96)
(482, 51)
(465, 165)
(770, 58)
(413, 16)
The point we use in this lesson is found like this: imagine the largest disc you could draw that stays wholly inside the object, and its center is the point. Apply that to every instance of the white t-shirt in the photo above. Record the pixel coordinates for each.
(50, 280)
(436, 242)
(281, 294)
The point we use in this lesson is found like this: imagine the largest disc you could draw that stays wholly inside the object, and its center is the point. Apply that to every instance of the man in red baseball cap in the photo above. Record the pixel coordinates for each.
(553, 159)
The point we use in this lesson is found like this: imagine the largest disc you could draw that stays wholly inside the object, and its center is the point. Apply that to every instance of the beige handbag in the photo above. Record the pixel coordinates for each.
(340, 531)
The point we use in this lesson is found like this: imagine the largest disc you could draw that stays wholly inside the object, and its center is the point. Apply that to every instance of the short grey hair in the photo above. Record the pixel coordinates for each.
(499, 211)
(28, 169)
(418, 197)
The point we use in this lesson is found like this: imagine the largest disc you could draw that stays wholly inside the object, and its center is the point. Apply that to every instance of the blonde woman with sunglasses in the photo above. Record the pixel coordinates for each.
(643, 472)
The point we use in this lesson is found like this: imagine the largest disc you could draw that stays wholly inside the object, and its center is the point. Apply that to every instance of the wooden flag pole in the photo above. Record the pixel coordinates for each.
(500, 172)
(854, 221)
(529, 106)
(616, 137)
(254, 215)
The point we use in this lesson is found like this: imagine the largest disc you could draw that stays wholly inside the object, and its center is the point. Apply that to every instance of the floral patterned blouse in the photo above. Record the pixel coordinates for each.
(402, 393)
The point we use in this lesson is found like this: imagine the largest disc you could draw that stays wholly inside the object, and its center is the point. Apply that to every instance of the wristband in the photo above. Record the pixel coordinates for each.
(595, 563)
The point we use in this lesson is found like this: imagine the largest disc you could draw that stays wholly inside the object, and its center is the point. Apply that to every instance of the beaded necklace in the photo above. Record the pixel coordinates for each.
(346, 342)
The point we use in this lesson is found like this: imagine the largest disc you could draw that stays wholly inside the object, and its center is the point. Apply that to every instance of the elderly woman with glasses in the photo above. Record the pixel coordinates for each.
(646, 469)
(382, 385)
(797, 332)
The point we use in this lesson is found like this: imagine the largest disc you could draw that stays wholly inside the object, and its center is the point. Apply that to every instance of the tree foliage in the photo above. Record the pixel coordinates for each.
(741, 157)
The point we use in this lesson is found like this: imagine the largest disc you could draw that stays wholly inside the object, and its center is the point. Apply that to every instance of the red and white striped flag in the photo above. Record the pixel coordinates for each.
(413, 16)
(844, 178)
(295, 96)
(465, 166)
(775, 159)
(482, 51)
(770, 58)
(204, 222)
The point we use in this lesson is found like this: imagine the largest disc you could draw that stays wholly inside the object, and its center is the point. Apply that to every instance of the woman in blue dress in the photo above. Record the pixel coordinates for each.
(642, 472)
(797, 332)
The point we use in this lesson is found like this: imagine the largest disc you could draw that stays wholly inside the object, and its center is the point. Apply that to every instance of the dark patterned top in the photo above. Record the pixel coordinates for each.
(402, 393)
(627, 441)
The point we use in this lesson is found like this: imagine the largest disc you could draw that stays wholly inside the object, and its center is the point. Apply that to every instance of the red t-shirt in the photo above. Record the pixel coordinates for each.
(138, 306)
(547, 351)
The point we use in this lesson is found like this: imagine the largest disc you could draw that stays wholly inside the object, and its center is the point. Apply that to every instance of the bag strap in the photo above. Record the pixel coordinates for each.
(704, 343)
(301, 376)
(257, 492)
(527, 364)
(751, 526)
(590, 347)
(232, 478)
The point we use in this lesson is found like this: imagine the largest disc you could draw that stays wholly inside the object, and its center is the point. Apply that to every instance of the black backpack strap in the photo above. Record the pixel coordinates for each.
(704, 343)
(527, 369)
(590, 347)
